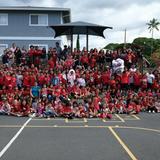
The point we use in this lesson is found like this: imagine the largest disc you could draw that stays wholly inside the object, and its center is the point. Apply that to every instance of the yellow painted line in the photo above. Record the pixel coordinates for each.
(136, 117)
(10, 126)
(104, 120)
(93, 119)
(131, 155)
(127, 116)
(34, 126)
(85, 120)
(51, 119)
(122, 120)
(66, 120)
(113, 126)
(113, 121)
(131, 119)
(75, 121)
(137, 128)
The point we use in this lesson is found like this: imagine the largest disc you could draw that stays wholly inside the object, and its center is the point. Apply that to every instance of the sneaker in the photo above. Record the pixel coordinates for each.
(149, 111)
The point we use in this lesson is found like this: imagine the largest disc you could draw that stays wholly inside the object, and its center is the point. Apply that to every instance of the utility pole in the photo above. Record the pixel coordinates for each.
(125, 37)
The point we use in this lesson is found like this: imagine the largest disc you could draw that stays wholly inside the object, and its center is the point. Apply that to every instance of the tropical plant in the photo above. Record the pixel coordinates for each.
(78, 43)
(153, 25)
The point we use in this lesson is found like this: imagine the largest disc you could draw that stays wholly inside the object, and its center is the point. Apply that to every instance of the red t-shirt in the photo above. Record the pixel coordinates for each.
(32, 80)
(7, 80)
(1, 79)
(112, 83)
(13, 82)
(31, 52)
(68, 63)
(41, 79)
(84, 59)
(51, 63)
(92, 62)
(26, 80)
(137, 79)
(125, 78)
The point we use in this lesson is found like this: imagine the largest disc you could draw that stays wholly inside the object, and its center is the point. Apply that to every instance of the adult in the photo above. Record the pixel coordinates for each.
(13, 47)
(118, 65)
(150, 79)
(18, 55)
(64, 53)
(58, 50)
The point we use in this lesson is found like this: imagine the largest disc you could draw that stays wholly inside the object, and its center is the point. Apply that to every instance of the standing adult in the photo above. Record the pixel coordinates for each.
(13, 47)
(18, 55)
(59, 50)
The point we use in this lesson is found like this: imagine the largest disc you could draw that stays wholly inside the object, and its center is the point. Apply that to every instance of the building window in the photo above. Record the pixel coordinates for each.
(2, 48)
(38, 20)
(3, 19)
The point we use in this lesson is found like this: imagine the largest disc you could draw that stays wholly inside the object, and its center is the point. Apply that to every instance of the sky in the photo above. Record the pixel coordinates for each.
(119, 14)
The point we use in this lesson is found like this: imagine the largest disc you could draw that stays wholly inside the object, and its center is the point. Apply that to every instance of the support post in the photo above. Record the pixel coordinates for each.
(71, 40)
(87, 40)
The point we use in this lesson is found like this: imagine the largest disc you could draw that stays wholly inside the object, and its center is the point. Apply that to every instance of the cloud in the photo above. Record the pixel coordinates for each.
(47, 3)
(117, 4)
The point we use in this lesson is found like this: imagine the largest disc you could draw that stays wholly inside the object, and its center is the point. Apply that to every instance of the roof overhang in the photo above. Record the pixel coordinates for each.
(28, 8)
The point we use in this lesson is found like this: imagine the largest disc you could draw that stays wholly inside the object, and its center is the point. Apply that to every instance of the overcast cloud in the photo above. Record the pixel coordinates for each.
(120, 14)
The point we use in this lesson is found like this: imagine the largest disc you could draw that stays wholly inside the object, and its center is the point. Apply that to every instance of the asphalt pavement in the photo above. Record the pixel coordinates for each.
(124, 137)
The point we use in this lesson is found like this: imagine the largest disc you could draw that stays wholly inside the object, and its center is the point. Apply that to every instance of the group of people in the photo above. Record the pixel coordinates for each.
(61, 83)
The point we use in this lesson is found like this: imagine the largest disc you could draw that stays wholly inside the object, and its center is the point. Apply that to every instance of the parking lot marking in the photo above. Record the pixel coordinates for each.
(46, 119)
(85, 120)
(94, 126)
(76, 120)
(121, 119)
(14, 138)
(137, 128)
(10, 126)
(66, 120)
(136, 117)
(131, 155)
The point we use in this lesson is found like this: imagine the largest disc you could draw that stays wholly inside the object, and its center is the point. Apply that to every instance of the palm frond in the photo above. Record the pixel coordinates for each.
(153, 24)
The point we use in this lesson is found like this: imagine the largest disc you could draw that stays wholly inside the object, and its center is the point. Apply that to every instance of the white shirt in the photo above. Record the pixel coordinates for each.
(71, 77)
(150, 78)
(118, 64)
(81, 82)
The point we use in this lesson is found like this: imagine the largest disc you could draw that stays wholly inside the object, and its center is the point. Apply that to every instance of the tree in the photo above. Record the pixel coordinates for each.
(78, 43)
(152, 25)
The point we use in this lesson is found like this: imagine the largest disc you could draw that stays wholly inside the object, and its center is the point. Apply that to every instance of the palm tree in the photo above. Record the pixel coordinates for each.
(153, 25)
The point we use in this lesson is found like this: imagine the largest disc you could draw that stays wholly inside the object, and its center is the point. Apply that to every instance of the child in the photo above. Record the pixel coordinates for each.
(24, 108)
(5, 108)
(44, 91)
(49, 111)
(105, 112)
